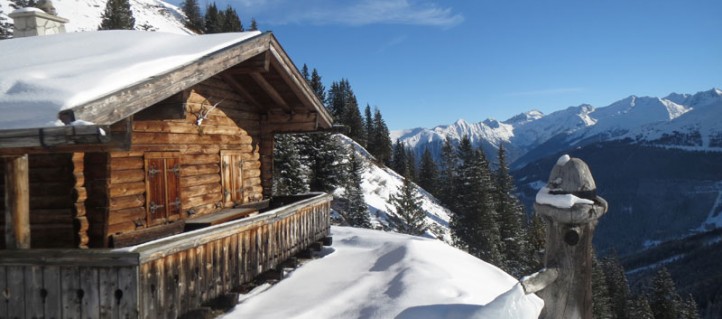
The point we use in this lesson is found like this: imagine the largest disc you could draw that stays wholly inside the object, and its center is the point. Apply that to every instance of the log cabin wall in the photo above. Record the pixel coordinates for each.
(53, 199)
(231, 126)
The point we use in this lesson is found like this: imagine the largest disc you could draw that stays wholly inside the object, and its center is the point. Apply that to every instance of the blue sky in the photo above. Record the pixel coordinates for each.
(426, 63)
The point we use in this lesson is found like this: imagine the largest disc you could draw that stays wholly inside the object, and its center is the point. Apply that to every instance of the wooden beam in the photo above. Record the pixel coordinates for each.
(17, 203)
(268, 88)
(54, 136)
(256, 64)
(124, 103)
(292, 74)
(243, 92)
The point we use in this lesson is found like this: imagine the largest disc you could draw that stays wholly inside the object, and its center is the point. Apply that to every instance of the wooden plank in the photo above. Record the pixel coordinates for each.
(124, 202)
(53, 305)
(68, 257)
(15, 291)
(226, 281)
(147, 234)
(190, 181)
(192, 277)
(127, 297)
(171, 286)
(89, 286)
(147, 290)
(193, 170)
(126, 176)
(71, 295)
(217, 268)
(219, 217)
(126, 163)
(34, 292)
(159, 277)
(17, 203)
(54, 136)
(182, 282)
(107, 287)
(3, 287)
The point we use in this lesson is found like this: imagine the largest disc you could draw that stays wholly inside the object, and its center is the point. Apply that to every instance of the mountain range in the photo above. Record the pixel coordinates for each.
(658, 159)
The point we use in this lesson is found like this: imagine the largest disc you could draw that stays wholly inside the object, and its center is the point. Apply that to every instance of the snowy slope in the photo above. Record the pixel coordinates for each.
(84, 15)
(373, 274)
(379, 183)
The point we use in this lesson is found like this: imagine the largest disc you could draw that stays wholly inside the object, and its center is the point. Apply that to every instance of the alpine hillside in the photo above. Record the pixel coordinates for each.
(85, 15)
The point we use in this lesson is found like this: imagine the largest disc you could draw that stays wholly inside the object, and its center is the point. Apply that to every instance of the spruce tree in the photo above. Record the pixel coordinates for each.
(19, 4)
(231, 21)
(304, 73)
(325, 159)
(639, 308)
(213, 19)
(356, 211)
(317, 86)
(411, 164)
(193, 13)
(5, 27)
(511, 220)
(688, 308)
(369, 123)
(664, 299)
(428, 172)
(407, 203)
(290, 176)
(399, 159)
(380, 141)
(254, 25)
(601, 301)
(474, 224)
(536, 239)
(117, 16)
(618, 286)
(447, 178)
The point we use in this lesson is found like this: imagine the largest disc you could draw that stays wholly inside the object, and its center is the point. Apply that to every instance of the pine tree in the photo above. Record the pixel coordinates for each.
(290, 176)
(474, 224)
(428, 172)
(369, 123)
(193, 13)
(536, 238)
(399, 160)
(380, 141)
(5, 27)
(254, 25)
(601, 301)
(688, 308)
(639, 308)
(231, 21)
(511, 220)
(325, 159)
(664, 299)
(618, 286)
(317, 86)
(357, 211)
(411, 164)
(117, 16)
(214, 19)
(407, 203)
(447, 178)
(19, 4)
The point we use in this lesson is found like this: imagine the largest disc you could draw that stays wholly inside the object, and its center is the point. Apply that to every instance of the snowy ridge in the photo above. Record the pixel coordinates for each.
(371, 274)
(84, 15)
(679, 120)
(379, 183)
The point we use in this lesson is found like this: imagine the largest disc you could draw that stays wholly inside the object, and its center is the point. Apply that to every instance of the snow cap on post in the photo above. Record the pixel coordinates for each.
(570, 192)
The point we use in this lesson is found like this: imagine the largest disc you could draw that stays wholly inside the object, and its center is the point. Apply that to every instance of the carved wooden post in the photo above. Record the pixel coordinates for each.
(571, 208)
(17, 203)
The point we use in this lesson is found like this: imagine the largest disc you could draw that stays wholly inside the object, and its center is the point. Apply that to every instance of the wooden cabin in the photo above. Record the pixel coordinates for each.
(154, 196)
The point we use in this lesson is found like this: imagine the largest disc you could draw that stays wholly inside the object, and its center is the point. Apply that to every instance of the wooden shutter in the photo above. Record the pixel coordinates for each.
(162, 171)
(232, 177)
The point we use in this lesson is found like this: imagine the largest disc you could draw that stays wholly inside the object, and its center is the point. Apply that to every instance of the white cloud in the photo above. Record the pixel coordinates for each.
(353, 12)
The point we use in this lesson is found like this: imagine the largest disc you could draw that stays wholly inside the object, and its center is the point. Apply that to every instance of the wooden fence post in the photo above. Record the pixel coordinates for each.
(570, 208)
(17, 203)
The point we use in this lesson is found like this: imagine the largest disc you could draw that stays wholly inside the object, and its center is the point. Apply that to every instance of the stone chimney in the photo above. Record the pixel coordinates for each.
(33, 21)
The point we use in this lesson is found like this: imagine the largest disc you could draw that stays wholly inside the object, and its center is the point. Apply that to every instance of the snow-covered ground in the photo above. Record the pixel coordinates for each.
(375, 274)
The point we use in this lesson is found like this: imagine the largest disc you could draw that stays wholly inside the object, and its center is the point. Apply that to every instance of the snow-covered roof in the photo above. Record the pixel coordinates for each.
(40, 76)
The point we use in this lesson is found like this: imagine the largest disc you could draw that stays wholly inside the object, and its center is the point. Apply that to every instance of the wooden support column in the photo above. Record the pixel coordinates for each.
(78, 196)
(571, 208)
(17, 203)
